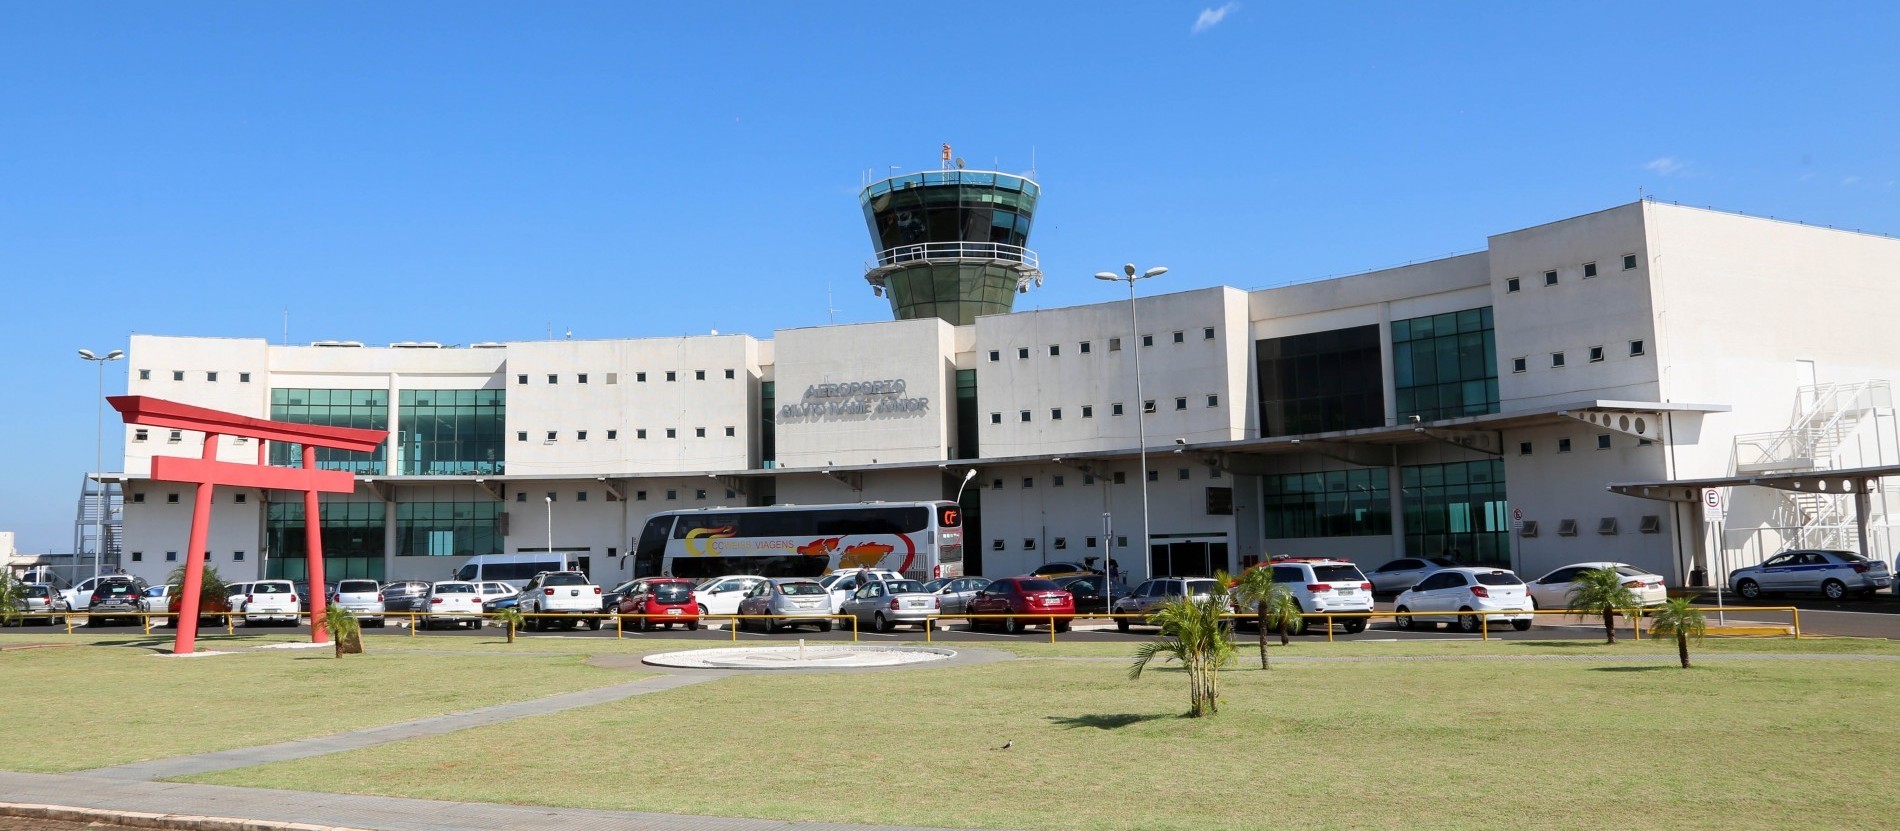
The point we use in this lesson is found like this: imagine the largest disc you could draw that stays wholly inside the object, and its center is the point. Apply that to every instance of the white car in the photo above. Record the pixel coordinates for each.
(157, 599)
(363, 599)
(721, 595)
(1443, 594)
(495, 590)
(1405, 572)
(1321, 585)
(1552, 591)
(268, 601)
(451, 603)
(559, 593)
(843, 583)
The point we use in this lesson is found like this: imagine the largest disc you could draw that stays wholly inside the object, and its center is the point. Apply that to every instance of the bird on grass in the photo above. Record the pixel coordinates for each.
(1008, 744)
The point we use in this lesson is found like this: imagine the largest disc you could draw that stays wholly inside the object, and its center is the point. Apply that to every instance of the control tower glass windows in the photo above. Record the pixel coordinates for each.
(1321, 381)
(1446, 365)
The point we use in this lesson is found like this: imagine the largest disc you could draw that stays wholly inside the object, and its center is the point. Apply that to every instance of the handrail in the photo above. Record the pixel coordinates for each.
(960, 249)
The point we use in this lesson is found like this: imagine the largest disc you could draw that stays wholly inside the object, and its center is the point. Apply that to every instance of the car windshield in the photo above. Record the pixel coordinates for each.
(672, 592)
(1849, 556)
(800, 588)
(903, 586)
(356, 587)
(39, 591)
(156, 591)
(405, 588)
(117, 588)
(1447, 562)
(270, 588)
(706, 584)
(936, 585)
(565, 578)
(454, 588)
(1038, 586)
(1338, 574)
(1202, 588)
(1631, 571)
(1498, 578)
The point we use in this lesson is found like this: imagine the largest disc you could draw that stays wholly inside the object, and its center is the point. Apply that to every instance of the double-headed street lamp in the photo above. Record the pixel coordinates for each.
(99, 459)
(1129, 276)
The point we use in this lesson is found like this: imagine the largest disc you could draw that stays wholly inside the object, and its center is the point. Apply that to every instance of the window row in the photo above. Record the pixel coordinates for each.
(172, 556)
(1058, 543)
(1521, 363)
(172, 498)
(1118, 477)
(1525, 448)
(1607, 526)
(521, 379)
(1115, 409)
(1553, 277)
(614, 435)
(1088, 347)
(210, 376)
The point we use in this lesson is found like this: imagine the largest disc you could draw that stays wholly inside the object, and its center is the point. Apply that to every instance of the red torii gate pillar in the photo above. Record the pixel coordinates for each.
(207, 472)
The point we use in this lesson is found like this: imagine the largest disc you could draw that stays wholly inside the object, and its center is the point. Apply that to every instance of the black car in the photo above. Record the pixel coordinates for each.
(610, 599)
(404, 596)
(1088, 594)
(116, 600)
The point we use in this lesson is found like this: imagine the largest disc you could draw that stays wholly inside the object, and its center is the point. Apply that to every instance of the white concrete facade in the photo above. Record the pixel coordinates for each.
(1704, 325)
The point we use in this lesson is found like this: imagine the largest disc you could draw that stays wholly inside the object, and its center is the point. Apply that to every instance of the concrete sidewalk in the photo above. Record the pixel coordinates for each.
(360, 812)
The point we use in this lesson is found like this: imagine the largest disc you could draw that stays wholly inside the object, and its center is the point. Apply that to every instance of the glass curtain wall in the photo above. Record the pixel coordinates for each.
(1445, 366)
(966, 415)
(366, 409)
(352, 540)
(1333, 503)
(1321, 381)
(452, 432)
(768, 424)
(1457, 510)
(445, 529)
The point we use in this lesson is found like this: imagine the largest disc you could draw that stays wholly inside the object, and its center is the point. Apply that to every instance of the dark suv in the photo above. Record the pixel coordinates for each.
(116, 597)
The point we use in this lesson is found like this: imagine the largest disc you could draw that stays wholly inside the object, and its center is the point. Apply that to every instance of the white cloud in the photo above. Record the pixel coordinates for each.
(1212, 17)
(1664, 166)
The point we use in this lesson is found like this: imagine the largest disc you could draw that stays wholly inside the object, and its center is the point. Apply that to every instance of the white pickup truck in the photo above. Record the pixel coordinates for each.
(559, 593)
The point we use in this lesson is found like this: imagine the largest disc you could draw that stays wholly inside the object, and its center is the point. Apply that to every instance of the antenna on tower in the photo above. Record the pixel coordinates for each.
(1032, 161)
(831, 312)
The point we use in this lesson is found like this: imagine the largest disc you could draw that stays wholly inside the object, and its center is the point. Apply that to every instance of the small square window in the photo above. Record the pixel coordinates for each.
(1029, 543)
(211, 377)
(1213, 472)
(1207, 333)
(1029, 481)
(1023, 416)
(1147, 340)
(521, 435)
(1180, 403)
(640, 377)
(699, 375)
(1629, 261)
(138, 498)
(732, 432)
(996, 418)
(521, 496)
(1520, 364)
(699, 432)
(1644, 442)
(1148, 406)
(1556, 359)
(1121, 542)
(1180, 337)
(1056, 481)
(521, 379)
(580, 435)
(171, 556)
(580, 496)
(1084, 347)
(1092, 542)
(1513, 285)
(1182, 474)
(996, 545)
(171, 499)
(1121, 477)
(1055, 413)
(639, 496)
(553, 497)
(139, 434)
(176, 436)
(1636, 348)
(995, 356)
(613, 377)
(239, 498)
(138, 556)
(554, 379)
(1563, 445)
(237, 556)
(553, 436)
(244, 377)
(1154, 475)
(1115, 409)
(1088, 411)
(672, 495)
(1055, 350)
(1523, 448)
(581, 378)
(731, 374)
(1088, 478)
(1550, 278)
(1589, 270)
(1596, 354)
(1603, 441)
(699, 493)
(1213, 401)
(178, 375)
(672, 432)
(1061, 543)
(639, 432)
(996, 484)
(145, 375)
(613, 434)
(731, 494)
(1022, 353)
(1114, 344)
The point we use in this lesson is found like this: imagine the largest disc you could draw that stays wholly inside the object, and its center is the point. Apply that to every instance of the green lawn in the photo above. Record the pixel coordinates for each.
(1755, 742)
(111, 701)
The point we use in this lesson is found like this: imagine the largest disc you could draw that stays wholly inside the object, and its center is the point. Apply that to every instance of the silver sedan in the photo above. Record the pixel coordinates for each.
(790, 601)
(955, 592)
(886, 603)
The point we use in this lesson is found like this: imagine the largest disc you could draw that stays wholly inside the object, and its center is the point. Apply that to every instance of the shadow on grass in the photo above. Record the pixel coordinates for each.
(1561, 644)
(1634, 669)
(1106, 721)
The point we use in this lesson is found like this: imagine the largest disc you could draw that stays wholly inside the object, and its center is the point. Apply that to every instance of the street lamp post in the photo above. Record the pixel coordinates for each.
(1129, 276)
(966, 483)
(99, 458)
(550, 501)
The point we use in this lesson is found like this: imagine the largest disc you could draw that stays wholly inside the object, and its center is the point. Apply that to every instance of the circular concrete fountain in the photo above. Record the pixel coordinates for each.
(802, 656)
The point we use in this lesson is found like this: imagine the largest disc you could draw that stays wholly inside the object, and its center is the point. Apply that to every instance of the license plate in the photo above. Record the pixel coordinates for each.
(914, 604)
(1348, 591)
(673, 611)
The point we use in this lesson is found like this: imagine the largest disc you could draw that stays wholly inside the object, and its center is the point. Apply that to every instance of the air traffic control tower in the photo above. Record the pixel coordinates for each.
(951, 243)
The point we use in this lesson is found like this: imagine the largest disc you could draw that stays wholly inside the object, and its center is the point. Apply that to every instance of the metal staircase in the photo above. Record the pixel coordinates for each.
(1832, 428)
(100, 512)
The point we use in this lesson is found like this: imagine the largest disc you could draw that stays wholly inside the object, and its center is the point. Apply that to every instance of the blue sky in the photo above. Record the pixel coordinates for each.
(464, 172)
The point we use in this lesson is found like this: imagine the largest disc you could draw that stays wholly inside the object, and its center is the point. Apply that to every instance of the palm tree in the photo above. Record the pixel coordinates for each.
(12, 597)
(1271, 602)
(1677, 616)
(211, 589)
(1195, 633)
(1602, 589)
(510, 617)
(345, 631)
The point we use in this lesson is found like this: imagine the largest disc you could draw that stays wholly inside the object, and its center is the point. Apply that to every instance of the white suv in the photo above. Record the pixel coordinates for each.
(1321, 585)
(267, 601)
(1446, 592)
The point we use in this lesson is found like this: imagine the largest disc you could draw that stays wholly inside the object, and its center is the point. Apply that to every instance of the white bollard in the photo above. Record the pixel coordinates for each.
(801, 649)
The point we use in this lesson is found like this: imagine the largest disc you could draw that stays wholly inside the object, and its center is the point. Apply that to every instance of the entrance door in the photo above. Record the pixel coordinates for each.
(1188, 558)
(585, 564)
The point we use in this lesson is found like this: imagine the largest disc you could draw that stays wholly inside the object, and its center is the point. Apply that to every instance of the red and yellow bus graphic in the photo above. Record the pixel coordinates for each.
(697, 539)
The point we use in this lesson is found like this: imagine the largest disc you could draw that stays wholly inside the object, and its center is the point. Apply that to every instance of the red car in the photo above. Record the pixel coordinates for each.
(668, 600)
(1037, 599)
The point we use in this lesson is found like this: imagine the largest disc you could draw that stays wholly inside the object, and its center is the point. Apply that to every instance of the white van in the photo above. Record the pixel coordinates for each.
(514, 569)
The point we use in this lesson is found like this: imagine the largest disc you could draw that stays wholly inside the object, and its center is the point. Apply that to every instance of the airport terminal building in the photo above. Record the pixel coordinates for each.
(1479, 406)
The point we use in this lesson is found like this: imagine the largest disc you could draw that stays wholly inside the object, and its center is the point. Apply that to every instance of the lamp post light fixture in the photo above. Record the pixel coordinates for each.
(99, 459)
(1129, 276)
(967, 476)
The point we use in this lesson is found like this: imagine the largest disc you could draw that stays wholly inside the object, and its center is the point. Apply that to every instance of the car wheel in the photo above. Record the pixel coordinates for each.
(1467, 623)
(1122, 624)
(1834, 589)
(1749, 589)
(692, 626)
(879, 624)
(1012, 626)
(1355, 626)
(1063, 626)
(702, 610)
(1521, 625)
(769, 626)
(824, 626)
(593, 624)
(1403, 617)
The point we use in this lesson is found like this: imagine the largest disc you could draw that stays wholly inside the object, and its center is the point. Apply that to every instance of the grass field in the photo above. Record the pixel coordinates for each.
(1754, 742)
(111, 701)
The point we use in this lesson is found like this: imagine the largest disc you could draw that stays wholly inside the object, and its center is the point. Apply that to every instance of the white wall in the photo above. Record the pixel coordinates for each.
(914, 425)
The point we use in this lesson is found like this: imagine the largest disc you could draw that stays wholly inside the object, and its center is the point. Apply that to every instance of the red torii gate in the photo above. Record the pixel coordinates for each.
(207, 472)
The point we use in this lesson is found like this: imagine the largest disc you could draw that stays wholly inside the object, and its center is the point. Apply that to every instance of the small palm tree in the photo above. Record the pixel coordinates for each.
(345, 632)
(211, 589)
(1677, 616)
(510, 617)
(1196, 635)
(1602, 589)
(12, 597)
(1270, 602)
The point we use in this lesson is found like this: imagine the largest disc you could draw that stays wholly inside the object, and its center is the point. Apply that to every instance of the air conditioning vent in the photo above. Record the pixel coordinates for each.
(1529, 529)
(1607, 526)
(1652, 524)
(1566, 528)
(415, 344)
(351, 344)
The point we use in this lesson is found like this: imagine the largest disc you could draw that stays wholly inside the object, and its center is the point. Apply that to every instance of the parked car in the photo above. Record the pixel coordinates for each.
(661, 601)
(269, 601)
(451, 603)
(511, 601)
(1152, 593)
(79, 597)
(954, 592)
(884, 604)
(560, 593)
(157, 599)
(495, 589)
(792, 601)
(1444, 593)
(1063, 568)
(844, 582)
(721, 595)
(212, 607)
(304, 598)
(1088, 592)
(1039, 601)
(1834, 574)
(1321, 584)
(609, 599)
(1552, 591)
(1405, 572)
(42, 603)
(402, 596)
(363, 599)
(116, 599)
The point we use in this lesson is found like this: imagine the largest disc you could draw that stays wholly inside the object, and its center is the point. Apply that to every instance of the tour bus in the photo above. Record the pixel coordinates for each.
(514, 569)
(922, 540)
